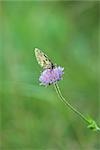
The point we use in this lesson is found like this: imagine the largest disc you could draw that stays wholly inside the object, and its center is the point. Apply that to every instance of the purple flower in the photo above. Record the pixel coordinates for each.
(50, 76)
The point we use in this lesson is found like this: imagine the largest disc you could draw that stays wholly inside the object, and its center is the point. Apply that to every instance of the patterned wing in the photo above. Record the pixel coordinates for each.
(43, 59)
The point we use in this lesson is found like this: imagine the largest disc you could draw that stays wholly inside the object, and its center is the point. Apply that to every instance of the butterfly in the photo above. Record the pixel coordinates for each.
(43, 59)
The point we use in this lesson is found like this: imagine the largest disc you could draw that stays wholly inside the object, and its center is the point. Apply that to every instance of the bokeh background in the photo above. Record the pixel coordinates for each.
(32, 116)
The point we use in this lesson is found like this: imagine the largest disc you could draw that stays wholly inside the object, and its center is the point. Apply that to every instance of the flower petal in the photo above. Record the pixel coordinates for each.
(50, 76)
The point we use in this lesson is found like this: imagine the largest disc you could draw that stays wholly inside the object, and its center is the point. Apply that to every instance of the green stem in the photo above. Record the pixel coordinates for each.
(68, 104)
(91, 123)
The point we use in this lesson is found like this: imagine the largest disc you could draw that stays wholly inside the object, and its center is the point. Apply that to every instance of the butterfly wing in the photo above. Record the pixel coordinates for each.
(43, 59)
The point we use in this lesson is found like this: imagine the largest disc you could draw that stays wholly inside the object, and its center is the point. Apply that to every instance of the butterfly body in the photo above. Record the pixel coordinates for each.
(43, 59)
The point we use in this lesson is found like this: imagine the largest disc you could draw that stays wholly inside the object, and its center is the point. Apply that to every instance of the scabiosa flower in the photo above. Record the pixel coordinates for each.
(50, 76)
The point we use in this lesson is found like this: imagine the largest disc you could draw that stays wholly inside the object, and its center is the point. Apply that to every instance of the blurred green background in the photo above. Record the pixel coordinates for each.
(32, 116)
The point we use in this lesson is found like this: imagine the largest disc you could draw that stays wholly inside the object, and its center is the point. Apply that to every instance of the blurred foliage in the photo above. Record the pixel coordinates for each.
(32, 116)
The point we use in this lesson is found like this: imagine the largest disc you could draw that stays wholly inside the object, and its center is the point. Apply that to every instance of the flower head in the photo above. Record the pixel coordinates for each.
(50, 76)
